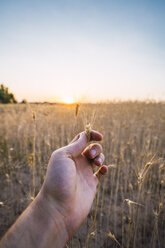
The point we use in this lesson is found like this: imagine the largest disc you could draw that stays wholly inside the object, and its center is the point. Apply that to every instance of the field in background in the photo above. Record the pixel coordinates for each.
(131, 206)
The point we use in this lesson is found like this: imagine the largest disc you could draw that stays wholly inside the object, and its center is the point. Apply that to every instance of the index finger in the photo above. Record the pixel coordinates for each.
(94, 136)
(79, 143)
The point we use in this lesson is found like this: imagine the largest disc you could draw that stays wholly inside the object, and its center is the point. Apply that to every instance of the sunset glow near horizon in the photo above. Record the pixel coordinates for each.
(83, 50)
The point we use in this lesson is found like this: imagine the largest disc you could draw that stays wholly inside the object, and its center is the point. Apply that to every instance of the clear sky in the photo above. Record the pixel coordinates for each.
(88, 49)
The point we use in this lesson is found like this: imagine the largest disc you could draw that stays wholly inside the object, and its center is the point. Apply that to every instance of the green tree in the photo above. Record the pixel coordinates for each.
(6, 96)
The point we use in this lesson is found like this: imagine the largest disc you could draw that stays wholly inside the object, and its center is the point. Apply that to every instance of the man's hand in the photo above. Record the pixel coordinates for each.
(65, 198)
(70, 184)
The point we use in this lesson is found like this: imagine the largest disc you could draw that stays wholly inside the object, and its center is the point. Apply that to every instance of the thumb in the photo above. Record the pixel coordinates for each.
(77, 146)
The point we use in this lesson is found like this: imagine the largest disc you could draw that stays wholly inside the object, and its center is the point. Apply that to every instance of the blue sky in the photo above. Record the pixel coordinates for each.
(91, 50)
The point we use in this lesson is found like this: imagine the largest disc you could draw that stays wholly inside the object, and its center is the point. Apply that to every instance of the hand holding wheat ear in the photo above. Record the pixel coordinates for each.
(70, 182)
(65, 198)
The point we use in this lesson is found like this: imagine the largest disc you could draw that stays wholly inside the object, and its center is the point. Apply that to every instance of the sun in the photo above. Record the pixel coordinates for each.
(68, 100)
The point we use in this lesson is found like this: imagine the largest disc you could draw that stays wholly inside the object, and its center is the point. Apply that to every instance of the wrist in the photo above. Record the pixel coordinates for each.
(51, 220)
(64, 211)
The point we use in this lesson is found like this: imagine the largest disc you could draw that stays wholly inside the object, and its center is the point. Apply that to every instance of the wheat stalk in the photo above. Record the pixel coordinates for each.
(88, 130)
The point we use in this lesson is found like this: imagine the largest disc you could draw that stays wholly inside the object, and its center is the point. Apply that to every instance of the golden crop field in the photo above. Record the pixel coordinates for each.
(129, 208)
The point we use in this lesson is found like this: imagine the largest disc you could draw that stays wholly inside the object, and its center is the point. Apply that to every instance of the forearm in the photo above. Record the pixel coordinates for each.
(38, 227)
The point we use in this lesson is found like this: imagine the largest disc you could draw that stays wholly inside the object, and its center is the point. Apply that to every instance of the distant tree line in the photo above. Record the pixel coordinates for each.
(6, 96)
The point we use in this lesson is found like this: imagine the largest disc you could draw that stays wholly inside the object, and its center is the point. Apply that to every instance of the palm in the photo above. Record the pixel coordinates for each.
(72, 184)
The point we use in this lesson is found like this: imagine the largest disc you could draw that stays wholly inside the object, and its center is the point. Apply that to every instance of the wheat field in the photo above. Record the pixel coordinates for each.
(129, 208)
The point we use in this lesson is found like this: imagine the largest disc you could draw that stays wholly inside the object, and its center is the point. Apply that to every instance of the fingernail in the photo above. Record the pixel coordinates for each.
(100, 160)
(93, 152)
(104, 169)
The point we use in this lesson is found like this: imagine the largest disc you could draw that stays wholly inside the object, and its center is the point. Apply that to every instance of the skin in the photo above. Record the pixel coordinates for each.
(65, 198)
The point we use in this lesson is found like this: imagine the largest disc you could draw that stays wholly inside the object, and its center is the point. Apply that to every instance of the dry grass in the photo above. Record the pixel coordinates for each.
(131, 211)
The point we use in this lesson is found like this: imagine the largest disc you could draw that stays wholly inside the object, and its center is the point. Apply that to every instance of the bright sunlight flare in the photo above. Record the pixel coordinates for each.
(68, 100)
